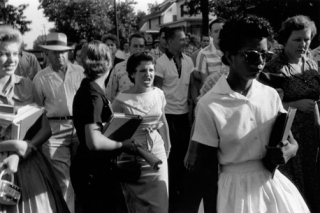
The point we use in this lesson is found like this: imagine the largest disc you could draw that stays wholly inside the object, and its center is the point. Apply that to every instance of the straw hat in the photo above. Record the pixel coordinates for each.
(56, 42)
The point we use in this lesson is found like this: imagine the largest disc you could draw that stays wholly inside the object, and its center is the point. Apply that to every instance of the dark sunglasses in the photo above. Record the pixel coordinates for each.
(253, 56)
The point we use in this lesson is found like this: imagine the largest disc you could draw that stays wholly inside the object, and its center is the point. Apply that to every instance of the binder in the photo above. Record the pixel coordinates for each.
(280, 132)
(121, 126)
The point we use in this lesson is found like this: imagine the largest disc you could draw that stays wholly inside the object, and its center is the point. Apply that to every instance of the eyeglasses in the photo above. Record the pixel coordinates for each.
(253, 56)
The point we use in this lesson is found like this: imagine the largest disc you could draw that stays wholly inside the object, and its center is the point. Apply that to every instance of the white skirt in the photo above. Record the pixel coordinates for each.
(249, 188)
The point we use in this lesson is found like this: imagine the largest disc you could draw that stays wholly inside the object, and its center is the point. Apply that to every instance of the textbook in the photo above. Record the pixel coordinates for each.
(15, 124)
(121, 126)
(280, 132)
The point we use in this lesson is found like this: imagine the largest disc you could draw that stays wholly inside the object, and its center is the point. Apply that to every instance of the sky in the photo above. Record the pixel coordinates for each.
(40, 24)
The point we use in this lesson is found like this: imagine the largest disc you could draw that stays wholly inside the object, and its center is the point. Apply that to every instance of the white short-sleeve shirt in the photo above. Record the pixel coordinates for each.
(239, 126)
(174, 87)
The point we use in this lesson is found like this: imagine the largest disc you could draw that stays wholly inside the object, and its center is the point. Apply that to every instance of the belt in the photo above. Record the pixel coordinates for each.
(61, 118)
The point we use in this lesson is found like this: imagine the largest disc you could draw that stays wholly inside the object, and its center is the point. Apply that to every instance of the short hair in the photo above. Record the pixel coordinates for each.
(96, 59)
(135, 60)
(137, 35)
(163, 30)
(110, 37)
(245, 28)
(10, 34)
(294, 23)
(216, 21)
(171, 32)
(76, 49)
(204, 35)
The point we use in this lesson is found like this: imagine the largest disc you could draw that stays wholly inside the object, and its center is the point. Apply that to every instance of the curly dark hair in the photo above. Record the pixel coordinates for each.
(240, 29)
(96, 59)
(298, 22)
(135, 60)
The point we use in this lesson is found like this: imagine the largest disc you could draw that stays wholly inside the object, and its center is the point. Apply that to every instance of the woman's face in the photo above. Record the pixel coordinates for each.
(145, 74)
(249, 61)
(298, 43)
(112, 46)
(78, 57)
(9, 58)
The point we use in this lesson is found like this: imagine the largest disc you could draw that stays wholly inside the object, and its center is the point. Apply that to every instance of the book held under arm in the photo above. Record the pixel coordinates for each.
(280, 132)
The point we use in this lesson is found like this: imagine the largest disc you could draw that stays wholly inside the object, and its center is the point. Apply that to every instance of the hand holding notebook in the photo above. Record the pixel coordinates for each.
(278, 139)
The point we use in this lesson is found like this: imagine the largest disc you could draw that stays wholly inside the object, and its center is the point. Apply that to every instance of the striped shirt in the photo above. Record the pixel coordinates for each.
(209, 60)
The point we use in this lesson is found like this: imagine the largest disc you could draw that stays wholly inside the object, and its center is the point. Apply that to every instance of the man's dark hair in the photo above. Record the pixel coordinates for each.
(217, 20)
(163, 30)
(171, 32)
(137, 35)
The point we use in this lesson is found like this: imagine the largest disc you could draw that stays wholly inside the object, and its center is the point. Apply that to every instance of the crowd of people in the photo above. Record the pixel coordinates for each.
(207, 109)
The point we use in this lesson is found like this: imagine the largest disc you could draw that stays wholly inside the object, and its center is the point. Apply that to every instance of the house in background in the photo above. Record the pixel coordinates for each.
(171, 13)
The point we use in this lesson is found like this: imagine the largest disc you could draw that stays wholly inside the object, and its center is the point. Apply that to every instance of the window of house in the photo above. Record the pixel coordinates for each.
(182, 10)
(149, 24)
(159, 20)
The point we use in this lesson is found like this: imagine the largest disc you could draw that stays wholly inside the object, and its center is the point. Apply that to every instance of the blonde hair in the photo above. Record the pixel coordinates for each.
(10, 34)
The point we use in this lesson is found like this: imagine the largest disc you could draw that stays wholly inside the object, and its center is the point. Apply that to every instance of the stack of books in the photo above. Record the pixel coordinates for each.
(15, 121)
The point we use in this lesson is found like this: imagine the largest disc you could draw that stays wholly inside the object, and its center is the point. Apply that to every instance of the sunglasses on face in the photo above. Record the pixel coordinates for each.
(253, 56)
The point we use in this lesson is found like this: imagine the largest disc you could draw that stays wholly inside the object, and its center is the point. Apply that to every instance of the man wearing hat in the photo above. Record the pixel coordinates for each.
(56, 86)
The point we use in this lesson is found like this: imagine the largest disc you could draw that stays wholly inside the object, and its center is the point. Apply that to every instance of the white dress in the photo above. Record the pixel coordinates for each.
(239, 127)
(150, 193)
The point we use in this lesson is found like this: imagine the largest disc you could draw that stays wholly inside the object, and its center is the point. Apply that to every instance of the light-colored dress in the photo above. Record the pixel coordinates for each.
(239, 127)
(150, 193)
(35, 176)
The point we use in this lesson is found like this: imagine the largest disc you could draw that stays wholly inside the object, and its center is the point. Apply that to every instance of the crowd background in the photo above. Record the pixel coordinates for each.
(163, 81)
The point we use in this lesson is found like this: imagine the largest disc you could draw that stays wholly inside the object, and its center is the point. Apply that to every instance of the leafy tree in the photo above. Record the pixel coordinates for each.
(153, 7)
(13, 16)
(86, 19)
(276, 11)
(90, 19)
(139, 22)
(41, 40)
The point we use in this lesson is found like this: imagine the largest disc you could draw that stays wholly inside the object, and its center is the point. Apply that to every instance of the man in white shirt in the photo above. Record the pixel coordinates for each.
(173, 70)
(157, 52)
(119, 80)
(209, 59)
(56, 86)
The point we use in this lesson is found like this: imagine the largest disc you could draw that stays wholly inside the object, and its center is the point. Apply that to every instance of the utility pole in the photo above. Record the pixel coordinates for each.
(116, 18)
(204, 4)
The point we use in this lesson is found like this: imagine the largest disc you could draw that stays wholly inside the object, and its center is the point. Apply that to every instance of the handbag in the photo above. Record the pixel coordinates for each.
(127, 171)
(10, 194)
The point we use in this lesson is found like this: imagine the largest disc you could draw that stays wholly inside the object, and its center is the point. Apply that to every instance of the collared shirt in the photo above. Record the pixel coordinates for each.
(19, 91)
(189, 50)
(316, 55)
(209, 60)
(211, 80)
(239, 126)
(28, 65)
(118, 81)
(156, 53)
(175, 86)
(56, 95)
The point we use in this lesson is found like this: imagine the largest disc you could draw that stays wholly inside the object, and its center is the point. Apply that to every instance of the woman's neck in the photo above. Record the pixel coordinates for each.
(138, 89)
(4, 82)
(291, 59)
(239, 85)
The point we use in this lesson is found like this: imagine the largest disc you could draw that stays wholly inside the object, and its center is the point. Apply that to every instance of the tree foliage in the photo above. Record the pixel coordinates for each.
(90, 19)
(153, 7)
(276, 11)
(11, 15)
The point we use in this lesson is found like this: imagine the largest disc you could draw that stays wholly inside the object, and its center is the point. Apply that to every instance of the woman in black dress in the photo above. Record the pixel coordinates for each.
(90, 170)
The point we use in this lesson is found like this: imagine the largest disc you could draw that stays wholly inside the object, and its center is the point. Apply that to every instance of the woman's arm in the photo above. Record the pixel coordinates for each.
(43, 133)
(164, 132)
(22, 148)
(304, 105)
(95, 140)
(206, 166)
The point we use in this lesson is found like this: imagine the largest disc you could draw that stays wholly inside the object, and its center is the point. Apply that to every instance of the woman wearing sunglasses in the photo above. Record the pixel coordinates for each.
(301, 88)
(233, 125)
